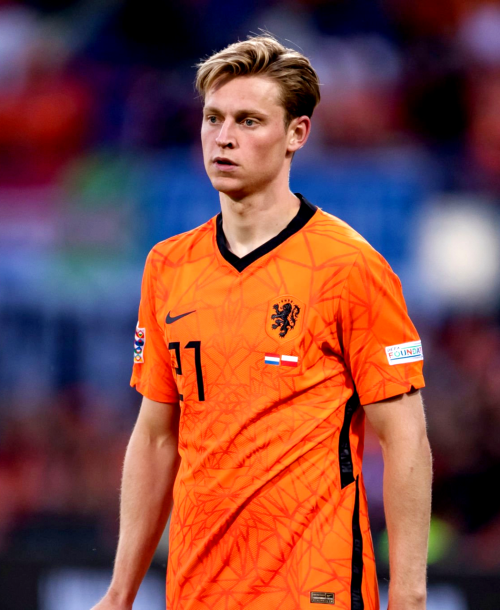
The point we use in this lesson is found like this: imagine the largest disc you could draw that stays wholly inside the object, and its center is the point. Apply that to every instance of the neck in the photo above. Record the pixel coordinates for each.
(255, 219)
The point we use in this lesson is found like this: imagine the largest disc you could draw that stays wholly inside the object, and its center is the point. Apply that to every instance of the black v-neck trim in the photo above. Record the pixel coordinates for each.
(303, 216)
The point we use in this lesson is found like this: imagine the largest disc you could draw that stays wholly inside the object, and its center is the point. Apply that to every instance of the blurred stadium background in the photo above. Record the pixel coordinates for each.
(100, 159)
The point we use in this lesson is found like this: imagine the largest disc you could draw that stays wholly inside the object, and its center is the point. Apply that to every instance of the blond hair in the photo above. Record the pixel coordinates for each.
(265, 56)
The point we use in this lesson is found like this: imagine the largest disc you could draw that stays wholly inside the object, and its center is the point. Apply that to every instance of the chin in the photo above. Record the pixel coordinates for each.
(228, 186)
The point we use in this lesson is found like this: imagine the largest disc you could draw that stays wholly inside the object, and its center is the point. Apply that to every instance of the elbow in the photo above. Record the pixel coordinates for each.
(415, 442)
(152, 441)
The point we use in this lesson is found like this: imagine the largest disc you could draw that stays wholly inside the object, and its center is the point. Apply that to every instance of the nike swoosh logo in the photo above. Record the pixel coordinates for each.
(171, 320)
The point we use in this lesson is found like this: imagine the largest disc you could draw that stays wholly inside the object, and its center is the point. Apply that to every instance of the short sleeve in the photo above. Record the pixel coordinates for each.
(380, 344)
(152, 373)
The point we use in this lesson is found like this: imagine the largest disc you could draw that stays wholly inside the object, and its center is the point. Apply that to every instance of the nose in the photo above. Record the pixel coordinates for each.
(225, 139)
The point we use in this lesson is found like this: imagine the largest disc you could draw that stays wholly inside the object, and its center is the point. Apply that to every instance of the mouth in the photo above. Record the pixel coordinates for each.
(224, 163)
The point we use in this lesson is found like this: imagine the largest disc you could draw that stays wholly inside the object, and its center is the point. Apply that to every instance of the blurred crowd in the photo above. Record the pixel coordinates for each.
(76, 75)
(94, 91)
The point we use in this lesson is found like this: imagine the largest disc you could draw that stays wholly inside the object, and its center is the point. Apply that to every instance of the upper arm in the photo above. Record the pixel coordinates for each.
(159, 421)
(401, 418)
(152, 373)
(373, 326)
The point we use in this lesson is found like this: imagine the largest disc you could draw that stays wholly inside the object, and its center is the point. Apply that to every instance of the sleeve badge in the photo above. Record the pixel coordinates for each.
(139, 342)
(404, 353)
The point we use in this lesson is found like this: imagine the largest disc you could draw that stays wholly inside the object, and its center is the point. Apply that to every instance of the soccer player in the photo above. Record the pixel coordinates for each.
(264, 338)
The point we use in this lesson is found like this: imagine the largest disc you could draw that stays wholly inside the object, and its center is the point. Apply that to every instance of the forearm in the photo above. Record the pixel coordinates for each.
(146, 500)
(407, 502)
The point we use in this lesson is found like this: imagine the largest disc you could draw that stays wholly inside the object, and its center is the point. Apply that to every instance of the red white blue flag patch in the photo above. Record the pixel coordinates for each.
(139, 342)
(272, 359)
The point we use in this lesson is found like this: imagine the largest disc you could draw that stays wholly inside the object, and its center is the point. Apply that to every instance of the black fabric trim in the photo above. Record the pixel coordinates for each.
(303, 216)
(345, 456)
(196, 345)
(357, 602)
(175, 345)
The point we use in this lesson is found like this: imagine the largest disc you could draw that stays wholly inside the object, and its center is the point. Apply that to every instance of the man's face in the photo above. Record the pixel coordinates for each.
(245, 143)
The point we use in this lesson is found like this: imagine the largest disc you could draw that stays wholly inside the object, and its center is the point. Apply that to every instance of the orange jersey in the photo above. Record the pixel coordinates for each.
(271, 357)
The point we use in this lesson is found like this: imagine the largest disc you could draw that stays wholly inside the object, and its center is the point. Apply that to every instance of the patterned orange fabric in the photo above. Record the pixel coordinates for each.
(271, 357)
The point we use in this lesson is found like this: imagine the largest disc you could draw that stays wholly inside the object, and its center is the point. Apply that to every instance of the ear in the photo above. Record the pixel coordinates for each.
(298, 133)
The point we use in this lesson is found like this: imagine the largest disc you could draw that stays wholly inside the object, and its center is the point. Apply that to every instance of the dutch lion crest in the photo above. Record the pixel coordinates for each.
(285, 316)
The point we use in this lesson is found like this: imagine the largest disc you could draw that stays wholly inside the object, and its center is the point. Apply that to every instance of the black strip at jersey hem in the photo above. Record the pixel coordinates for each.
(357, 602)
(345, 455)
(303, 216)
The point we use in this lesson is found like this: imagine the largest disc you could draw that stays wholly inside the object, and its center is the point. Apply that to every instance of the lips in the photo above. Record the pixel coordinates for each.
(224, 162)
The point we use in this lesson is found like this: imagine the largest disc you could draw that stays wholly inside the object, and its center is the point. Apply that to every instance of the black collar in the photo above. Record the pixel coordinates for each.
(305, 213)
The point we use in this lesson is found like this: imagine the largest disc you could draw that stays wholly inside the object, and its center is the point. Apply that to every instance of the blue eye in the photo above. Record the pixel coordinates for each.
(212, 119)
(249, 122)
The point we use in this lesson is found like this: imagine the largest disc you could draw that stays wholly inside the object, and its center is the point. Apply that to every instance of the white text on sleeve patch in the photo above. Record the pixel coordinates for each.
(404, 353)
(139, 341)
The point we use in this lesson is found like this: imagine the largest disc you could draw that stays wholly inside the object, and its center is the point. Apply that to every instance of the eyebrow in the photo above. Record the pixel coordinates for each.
(239, 114)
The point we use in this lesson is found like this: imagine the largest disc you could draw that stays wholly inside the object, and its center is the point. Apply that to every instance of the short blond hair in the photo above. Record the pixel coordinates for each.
(264, 56)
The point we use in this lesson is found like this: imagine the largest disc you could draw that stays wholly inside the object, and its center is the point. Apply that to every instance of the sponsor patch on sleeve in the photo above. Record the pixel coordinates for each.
(404, 353)
(139, 342)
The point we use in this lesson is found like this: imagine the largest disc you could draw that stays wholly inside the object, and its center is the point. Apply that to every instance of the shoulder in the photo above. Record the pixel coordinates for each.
(342, 242)
(365, 271)
(184, 247)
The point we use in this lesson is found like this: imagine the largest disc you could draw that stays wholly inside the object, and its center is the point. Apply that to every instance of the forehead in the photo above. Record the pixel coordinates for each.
(257, 92)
